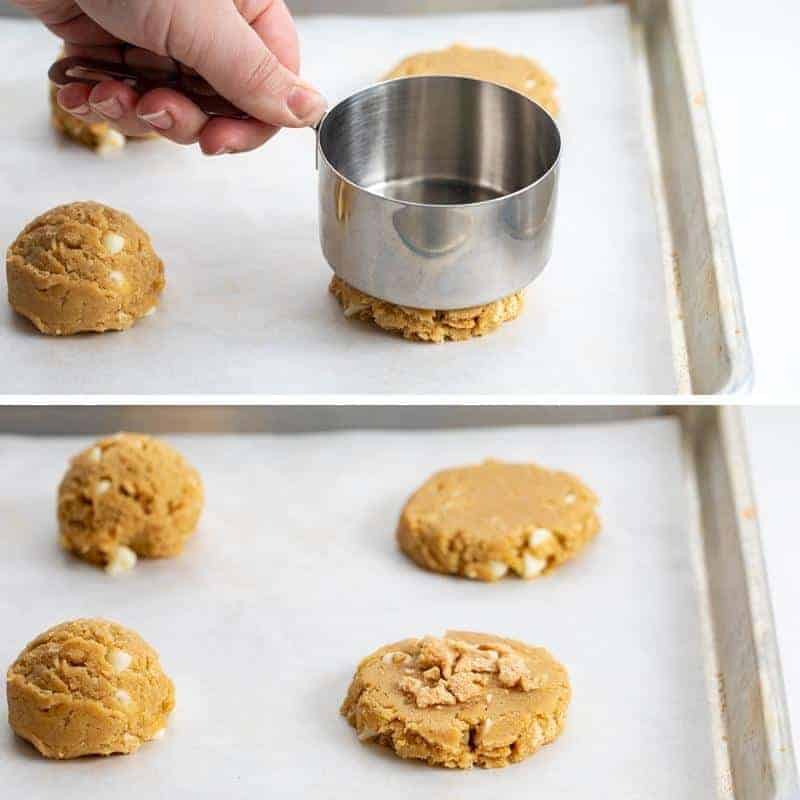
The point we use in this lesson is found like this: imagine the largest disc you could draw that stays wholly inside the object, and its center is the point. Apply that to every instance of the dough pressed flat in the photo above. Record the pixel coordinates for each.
(495, 519)
(518, 73)
(426, 325)
(463, 700)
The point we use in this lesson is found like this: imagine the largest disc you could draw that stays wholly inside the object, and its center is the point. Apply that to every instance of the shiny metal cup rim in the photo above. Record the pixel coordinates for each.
(412, 203)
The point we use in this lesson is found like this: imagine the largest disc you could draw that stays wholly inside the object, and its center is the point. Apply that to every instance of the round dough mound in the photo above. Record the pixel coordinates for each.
(467, 699)
(88, 687)
(426, 325)
(493, 519)
(517, 72)
(83, 267)
(128, 491)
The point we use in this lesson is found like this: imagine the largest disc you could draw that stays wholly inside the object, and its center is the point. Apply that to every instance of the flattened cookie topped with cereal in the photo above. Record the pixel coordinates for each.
(494, 519)
(463, 700)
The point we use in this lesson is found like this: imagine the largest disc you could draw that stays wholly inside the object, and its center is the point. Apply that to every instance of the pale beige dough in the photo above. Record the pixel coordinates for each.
(520, 73)
(83, 267)
(88, 687)
(125, 496)
(516, 72)
(495, 519)
(467, 699)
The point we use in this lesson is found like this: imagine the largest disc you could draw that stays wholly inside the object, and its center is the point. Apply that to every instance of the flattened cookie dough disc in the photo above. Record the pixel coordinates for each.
(496, 519)
(126, 496)
(467, 699)
(425, 325)
(517, 72)
(88, 687)
(83, 267)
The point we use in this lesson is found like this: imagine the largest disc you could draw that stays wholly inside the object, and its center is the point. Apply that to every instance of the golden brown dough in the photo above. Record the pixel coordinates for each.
(494, 519)
(426, 325)
(88, 687)
(125, 496)
(517, 72)
(83, 267)
(462, 700)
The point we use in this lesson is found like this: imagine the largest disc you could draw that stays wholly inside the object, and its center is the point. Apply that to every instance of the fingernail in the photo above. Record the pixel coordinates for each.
(80, 110)
(162, 120)
(108, 108)
(306, 104)
(223, 151)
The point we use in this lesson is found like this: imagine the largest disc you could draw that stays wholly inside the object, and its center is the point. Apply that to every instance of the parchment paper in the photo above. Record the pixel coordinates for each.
(246, 307)
(294, 576)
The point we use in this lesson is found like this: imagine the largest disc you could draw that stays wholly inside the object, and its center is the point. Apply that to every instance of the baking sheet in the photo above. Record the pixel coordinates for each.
(246, 307)
(294, 576)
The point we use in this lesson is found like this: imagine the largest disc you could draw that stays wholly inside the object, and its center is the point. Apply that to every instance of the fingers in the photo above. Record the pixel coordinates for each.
(110, 101)
(234, 59)
(172, 115)
(116, 102)
(221, 136)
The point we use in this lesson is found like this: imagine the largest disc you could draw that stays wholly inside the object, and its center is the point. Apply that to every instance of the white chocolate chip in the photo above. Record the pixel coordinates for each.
(486, 726)
(396, 657)
(532, 566)
(570, 498)
(489, 697)
(539, 536)
(116, 276)
(95, 454)
(113, 242)
(112, 142)
(159, 734)
(497, 569)
(150, 312)
(365, 734)
(124, 560)
(102, 487)
(355, 308)
(119, 659)
(123, 697)
(530, 83)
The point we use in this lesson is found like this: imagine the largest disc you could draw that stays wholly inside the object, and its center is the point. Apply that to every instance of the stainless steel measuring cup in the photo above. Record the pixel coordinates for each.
(434, 192)
(437, 192)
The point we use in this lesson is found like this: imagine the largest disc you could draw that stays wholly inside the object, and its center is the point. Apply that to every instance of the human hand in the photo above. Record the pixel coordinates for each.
(247, 50)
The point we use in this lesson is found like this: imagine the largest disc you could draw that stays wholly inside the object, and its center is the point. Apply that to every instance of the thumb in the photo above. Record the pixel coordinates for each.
(232, 57)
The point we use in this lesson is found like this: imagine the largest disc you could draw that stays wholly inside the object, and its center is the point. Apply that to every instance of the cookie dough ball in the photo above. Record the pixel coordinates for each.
(497, 519)
(88, 687)
(126, 496)
(83, 267)
(462, 700)
(425, 325)
(522, 74)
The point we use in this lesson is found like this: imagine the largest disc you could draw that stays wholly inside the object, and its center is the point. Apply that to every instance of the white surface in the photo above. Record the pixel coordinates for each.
(246, 307)
(294, 576)
(774, 442)
(751, 63)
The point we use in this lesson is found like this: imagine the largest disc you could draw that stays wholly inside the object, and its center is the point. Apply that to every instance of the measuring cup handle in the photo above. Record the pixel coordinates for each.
(90, 72)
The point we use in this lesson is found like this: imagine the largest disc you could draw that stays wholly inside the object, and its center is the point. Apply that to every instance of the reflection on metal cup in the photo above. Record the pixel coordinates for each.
(451, 189)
